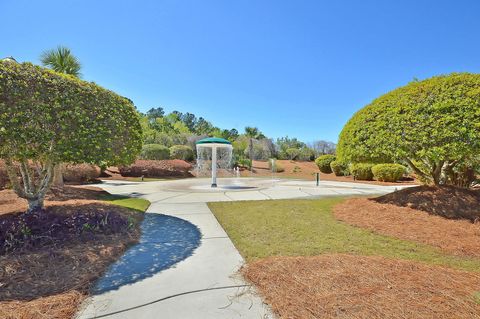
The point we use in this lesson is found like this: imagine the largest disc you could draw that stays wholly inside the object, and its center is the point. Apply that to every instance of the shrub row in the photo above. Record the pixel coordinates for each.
(153, 168)
(160, 152)
(388, 172)
(339, 168)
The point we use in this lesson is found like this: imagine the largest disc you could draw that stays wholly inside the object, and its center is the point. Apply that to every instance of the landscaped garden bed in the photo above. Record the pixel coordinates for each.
(308, 264)
(49, 259)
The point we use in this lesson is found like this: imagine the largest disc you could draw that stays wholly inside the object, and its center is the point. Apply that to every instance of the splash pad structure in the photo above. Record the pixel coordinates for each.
(215, 152)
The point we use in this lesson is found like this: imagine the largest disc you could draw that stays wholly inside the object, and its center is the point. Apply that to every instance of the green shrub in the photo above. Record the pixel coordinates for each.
(154, 152)
(245, 162)
(323, 162)
(362, 171)
(182, 152)
(339, 168)
(277, 168)
(388, 172)
(80, 173)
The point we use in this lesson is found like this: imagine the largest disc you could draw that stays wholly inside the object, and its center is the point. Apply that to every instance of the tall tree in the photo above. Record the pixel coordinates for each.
(253, 133)
(61, 60)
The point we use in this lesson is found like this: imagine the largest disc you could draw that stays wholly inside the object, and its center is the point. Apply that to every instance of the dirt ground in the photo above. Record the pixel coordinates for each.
(457, 237)
(304, 170)
(49, 278)
(346, 286)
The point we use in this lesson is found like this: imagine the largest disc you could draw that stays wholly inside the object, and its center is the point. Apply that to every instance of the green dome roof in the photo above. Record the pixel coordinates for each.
(211, 140)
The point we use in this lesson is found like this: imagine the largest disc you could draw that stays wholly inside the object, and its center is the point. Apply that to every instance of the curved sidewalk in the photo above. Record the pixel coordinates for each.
(206, 284)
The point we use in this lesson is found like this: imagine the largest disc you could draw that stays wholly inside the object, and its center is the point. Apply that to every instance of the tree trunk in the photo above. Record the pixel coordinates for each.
(58, 175)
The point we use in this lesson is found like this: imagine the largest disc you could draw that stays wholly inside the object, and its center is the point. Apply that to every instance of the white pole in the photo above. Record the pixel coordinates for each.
(214, 166)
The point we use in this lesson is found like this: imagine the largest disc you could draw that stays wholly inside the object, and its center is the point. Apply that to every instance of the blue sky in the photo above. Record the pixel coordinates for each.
(297, 68)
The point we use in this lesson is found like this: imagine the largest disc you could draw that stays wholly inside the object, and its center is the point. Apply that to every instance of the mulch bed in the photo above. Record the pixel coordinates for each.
(345, 286)
(457, 237)
(49, 260)
(447, 201)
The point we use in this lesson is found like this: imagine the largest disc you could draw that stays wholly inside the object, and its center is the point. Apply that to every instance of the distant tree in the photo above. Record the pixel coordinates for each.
(203, 127)
(285, 143)
(190, 120)
(322, 147)
(61, 60)
(155, 112)
(48, 118)
(253, 133)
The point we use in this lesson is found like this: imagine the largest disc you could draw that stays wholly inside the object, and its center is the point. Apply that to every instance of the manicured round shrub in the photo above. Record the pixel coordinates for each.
(80, 173)
(323, 162)
(362, 171)
(434, 123)
(388, 172)
(182, 152)
(154, 152)
(339, 168)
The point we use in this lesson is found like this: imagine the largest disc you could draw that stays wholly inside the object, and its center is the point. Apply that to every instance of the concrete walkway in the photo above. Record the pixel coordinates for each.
(206, 284)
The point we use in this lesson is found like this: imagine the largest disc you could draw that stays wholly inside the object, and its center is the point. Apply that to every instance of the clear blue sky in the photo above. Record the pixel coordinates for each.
(297, 68)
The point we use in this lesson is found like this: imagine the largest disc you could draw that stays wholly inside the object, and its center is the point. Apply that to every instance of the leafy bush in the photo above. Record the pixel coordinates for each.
(153, 168)
(323, 162)
(292, 153)
(154, 152)
(182, 152)
(245, 162)
(388, 172)
(433, 122)
(80, 173)
(339, 168)
(362, 171)
(276, 168)
(3, 176)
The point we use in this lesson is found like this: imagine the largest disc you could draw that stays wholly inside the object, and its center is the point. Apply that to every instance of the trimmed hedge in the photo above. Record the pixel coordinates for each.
(339, 168)
(80, 173)
(362, 171)
(323, 162)
(183, 152)
(388, 172)
(150, 168)
(154, 152)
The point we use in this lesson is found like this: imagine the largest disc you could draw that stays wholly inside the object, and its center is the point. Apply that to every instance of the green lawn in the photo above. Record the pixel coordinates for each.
(307, 227)
(138, 204)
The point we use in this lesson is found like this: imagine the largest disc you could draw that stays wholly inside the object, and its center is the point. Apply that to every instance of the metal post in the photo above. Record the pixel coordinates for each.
(318, 179)
(214, 166)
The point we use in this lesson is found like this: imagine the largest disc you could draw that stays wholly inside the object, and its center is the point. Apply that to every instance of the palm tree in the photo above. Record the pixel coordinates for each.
(61, 60)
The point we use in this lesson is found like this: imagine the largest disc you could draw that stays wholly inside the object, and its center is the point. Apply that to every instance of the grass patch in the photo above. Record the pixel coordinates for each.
(137, 204)
(307, 228)
(476, 297)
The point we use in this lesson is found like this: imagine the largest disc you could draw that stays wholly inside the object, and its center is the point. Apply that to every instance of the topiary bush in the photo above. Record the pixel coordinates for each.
(182, 152)
(323, 162)
(154, 152)
(362, 171)
(339, 168)
(80, 173)
(388, 172)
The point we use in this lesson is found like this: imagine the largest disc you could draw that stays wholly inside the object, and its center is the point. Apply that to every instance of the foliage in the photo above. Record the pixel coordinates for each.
(285, 228)
(323, 162)
(362, 171)
(155, 168)
(322, 147)
(155, 152)
(245, 162)
(340, 168)
(80, 173)
(61, 60)
(435, 122)
(292, 153)
(48, 118)
(182, 152)
(275, 166)
(388, 172)
(285, 143)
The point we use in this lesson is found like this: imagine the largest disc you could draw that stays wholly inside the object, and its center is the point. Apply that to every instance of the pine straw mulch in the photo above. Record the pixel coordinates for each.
(346, 286)
(457, 237)
(50, 278)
